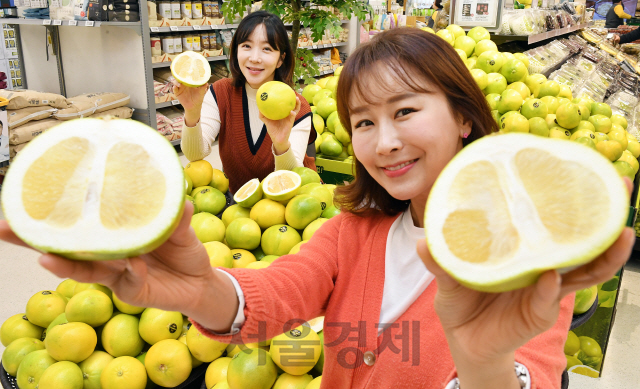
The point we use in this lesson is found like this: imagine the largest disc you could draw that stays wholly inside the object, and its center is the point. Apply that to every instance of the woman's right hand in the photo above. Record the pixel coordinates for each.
(191, 100)
(177, 276)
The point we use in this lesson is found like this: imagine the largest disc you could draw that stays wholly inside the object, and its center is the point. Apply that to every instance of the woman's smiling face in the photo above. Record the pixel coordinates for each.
(402, 137)
(258, 60)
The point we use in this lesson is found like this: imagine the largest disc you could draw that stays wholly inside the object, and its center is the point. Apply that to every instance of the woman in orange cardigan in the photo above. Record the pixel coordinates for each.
(390, 321)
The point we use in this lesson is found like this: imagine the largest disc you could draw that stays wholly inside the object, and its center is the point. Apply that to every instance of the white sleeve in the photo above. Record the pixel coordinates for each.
(239, 319)
(196, 141)
(521, 372)
(299, 139)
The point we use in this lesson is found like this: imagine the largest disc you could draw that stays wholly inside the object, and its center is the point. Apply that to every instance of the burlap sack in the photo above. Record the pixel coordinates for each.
(24, 98)
(23, 116)
(121, 113)
(24, 134)
(92, 103)
(14, 150)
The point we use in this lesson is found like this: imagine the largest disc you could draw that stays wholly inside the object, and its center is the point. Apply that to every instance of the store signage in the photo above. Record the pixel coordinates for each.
(175, 102)
(46, 22)
(155, 29)
(196, 27)
(73, 22)
(89, 24)
(173, 28)
(57, 22)
(472, 13)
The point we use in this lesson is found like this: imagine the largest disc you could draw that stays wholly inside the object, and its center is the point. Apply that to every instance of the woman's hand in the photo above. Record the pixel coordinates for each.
(191, 100)
(279, 130)
(177, 276)
(616, 38)
(484, 329)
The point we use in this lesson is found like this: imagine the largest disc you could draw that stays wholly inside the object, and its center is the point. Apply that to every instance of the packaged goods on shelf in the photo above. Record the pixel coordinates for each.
(162, 91)
(14, 150)
(120, 6)
(152, 10)
(170, 122)
(27, 98)
(20, 117)
(97, 10)
(534, 21)
(36, 13)
(119, 113)
(218, 72)
(61, 10)
(124, 16)
(91, 103)
(26, 133)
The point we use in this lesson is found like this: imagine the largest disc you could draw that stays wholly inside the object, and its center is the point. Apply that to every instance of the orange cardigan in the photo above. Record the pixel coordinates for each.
(340, 274)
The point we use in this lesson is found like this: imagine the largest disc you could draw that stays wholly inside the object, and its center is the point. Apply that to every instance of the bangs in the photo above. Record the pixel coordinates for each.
(269, 29)
(376, 76)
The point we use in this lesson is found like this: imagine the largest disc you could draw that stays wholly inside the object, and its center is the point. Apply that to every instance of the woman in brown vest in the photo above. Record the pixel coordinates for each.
(251, 146)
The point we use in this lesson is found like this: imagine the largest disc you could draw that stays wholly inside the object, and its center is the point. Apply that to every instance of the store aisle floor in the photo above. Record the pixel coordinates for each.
(22, 277)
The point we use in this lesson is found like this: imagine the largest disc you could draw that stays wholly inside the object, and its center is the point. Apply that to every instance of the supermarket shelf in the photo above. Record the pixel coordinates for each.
(193, 28)
(324, 46)
(168, 64)
(545, 35)
(343, 21)
(72, 23)
(175, 142)
(321, 74)
(167, 104)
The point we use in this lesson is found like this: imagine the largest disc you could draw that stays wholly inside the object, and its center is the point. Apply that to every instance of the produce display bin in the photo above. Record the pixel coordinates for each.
(193, 382)
(335, 171)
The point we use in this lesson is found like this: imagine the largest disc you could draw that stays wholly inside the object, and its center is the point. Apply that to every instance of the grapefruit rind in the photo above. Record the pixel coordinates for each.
(88, 238)
(292, 179)
(536, 250)
(196, 67)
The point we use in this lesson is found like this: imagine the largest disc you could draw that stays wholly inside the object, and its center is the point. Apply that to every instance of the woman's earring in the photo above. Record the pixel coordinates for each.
(465, 135)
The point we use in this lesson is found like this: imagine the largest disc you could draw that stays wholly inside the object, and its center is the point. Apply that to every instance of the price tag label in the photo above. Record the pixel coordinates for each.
(57, 22)
(89, 24)
(173, 28)
(155, 29)
(175, 102)
(196, 27)
(46, 22)
(73, 22)
(315, 47)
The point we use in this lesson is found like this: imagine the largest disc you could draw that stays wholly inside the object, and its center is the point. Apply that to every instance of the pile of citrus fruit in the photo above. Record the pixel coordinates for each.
(82, 336)
(270, 218)
(333, 140)
(546, 111)
(584, 355)
(530, 103)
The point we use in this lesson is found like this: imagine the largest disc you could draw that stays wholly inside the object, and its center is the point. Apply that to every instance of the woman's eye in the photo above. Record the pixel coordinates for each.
(267, 49)
(364, 123)
(404, 112)
(245, 45)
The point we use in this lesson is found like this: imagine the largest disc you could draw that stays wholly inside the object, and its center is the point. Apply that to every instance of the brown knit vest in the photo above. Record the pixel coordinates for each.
(242, 158)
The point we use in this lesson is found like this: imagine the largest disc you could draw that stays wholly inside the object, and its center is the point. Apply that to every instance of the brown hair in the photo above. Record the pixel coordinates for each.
(277, 38)
(406, 52)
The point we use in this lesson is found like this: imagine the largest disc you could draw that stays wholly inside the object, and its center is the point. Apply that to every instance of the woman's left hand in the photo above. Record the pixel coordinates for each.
(485, 327)
(279, 130)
